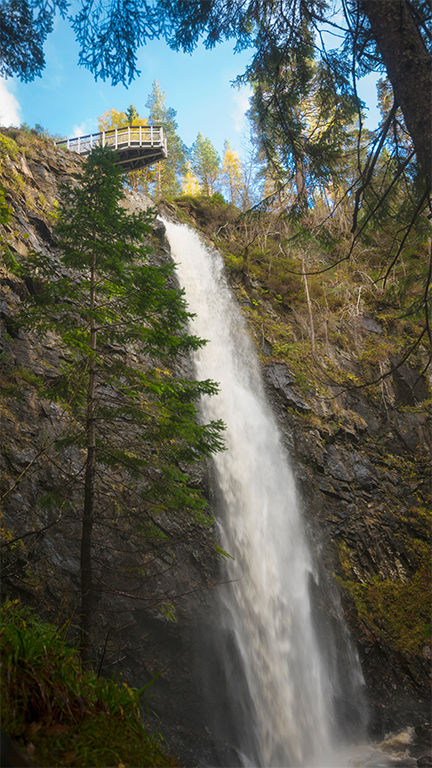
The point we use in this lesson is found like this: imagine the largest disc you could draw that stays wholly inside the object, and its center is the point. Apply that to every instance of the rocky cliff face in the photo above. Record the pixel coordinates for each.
(362, 464)
(363, 472)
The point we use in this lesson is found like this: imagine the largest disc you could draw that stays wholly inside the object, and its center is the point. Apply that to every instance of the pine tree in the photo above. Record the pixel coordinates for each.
(174, 167)
(300, 122)
(111, 309)
(205, 163)
(133, 116)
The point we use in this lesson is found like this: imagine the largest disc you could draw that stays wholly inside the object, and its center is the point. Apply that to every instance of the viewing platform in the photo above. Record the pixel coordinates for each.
(137, 146)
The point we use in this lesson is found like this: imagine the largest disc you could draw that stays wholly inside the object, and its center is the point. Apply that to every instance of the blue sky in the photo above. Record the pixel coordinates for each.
(67, 101)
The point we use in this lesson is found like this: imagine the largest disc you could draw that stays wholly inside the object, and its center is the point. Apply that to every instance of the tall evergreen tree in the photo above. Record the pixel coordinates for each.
(111, 309)
(133, 116)
(205, 163)
(170, 172)
(300, 121)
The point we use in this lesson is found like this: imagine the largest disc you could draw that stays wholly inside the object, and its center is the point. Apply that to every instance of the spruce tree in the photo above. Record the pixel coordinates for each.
(174, 166)
(205, 163)
(111, 309)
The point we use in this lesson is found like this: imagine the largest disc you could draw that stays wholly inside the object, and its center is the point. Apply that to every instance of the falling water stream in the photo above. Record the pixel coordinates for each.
(267, 606)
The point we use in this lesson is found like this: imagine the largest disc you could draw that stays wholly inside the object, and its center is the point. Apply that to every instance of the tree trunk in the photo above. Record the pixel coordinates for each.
(408, 65)
(89, 489)
(309, 303)
(159, 180)
(300, 182)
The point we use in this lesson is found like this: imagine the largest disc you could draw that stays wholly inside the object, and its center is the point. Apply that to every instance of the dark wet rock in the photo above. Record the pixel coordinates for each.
(410, 385)
(281, 378)
(412, 430)
(159, 228)
(363, 472)
(424, 761)
(338, 464)
(44, 231)
(279, 375)
(424, 733)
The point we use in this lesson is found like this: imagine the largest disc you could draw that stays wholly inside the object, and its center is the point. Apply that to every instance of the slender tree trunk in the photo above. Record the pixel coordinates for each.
(408, 65)
(89, 488)
(159, 182)
(300, 182)
(309, 303)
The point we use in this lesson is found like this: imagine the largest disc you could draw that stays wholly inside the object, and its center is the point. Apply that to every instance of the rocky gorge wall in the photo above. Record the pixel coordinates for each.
(362, 465)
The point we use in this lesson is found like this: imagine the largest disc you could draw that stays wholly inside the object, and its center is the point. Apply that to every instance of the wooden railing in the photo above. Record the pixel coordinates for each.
(119, 138)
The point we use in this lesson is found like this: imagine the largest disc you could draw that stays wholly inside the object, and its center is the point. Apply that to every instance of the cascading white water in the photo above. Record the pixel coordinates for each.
(268, 604)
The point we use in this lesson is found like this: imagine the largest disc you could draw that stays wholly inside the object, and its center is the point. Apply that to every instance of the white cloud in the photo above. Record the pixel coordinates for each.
(241, 100)
(88, 126)
(9, 107)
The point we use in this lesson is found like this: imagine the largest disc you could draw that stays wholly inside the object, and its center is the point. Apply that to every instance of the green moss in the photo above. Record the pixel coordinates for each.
(398, 611)
(233, 263)
(344, 560)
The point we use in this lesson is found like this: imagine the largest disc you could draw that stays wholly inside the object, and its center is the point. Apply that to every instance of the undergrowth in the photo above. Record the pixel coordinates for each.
(306, 299)
(61, 715)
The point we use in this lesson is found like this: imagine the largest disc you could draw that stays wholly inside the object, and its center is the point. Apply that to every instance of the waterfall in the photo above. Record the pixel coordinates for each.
(266, 605)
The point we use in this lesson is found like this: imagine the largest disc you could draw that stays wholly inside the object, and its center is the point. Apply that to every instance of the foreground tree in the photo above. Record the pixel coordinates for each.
(390, 34)
(299, 122)
(111, 308)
